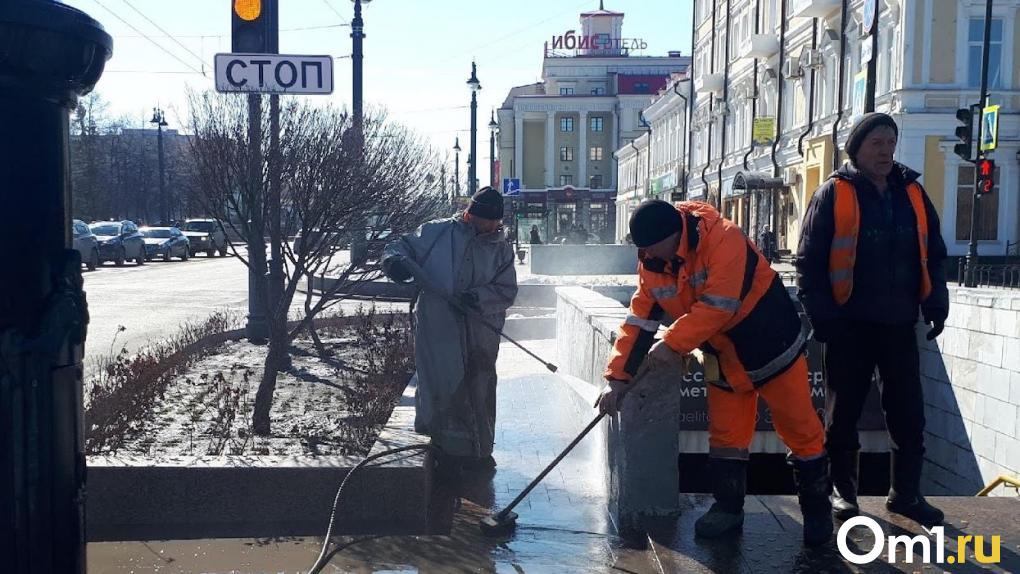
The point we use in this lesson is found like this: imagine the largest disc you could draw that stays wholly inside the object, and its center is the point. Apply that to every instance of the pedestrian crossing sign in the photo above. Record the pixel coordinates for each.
(511, 186)
(990, 128)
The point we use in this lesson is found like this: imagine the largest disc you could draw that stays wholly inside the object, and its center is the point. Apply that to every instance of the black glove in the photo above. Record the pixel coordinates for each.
(826, 331)
(937, 319)
(938, 325)
(468, 299)
(398, 270)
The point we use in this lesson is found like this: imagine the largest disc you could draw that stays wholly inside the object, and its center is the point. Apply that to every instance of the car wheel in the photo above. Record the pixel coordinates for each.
(119, 259)
(210, 253)
(223, 251)
(166, 255)
(93, 261)
(185, 255)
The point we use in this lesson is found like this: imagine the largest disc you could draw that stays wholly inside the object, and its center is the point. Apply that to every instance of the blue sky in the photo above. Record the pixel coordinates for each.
(417, 52)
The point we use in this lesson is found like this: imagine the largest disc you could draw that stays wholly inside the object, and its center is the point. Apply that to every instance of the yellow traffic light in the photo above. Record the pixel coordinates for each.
(248, 9)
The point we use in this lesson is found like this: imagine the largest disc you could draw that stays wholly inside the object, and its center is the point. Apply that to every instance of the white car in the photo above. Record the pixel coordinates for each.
(205, 235)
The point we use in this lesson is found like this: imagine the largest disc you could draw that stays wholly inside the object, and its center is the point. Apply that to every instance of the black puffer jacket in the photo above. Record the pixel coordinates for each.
(887, 270)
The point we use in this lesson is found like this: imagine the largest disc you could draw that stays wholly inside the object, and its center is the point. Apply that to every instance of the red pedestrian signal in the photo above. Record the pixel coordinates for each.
(985, 176)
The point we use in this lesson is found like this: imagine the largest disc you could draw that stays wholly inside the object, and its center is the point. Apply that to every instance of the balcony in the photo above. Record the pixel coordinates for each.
(760, 46)
(710, 83)
(814, 8)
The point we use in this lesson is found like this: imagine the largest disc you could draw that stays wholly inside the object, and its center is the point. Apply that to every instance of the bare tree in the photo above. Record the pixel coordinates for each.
(328, 191)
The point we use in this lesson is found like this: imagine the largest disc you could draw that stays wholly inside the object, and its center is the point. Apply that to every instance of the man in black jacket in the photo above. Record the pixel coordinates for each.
(862, 292)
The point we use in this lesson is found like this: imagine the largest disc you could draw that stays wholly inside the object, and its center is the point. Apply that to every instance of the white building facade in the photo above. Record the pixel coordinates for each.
(774, 98)
(558, 137)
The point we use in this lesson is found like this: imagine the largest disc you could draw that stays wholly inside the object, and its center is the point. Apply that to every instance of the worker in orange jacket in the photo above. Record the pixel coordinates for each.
(700, 268)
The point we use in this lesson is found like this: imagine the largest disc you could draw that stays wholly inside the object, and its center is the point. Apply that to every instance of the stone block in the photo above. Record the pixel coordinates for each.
(1007, 452)
(955, 430)
(935, 421)
(1000, 416)
(965, 402)
(959, 316)
(1007, 323)
(1015, 304)
(1011, 354)
(979, 408)
(965, 374)
(956, 342)
(641, 449)
(986, 348)
(1014, 388)
(994, 382)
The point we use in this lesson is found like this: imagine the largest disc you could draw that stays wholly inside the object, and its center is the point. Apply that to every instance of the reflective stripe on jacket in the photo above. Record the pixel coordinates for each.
(726, 299)
(843, 253)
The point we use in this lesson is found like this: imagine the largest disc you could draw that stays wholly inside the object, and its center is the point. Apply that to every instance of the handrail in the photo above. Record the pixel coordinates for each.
(1001, 479)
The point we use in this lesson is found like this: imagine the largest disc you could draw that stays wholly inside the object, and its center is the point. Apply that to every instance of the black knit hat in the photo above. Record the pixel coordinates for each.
(487, 203)
(863, 127)
(653, 221)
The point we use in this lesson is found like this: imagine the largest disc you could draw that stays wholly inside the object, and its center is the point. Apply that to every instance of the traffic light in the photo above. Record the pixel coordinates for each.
(986, 176)
(254, 28)
(965, 133)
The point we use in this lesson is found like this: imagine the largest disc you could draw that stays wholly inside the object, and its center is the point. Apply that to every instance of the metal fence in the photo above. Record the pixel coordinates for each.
(1005, 275)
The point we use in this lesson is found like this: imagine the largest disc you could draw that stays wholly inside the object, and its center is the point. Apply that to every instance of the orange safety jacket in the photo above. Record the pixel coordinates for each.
(726, 300)
(843, 253)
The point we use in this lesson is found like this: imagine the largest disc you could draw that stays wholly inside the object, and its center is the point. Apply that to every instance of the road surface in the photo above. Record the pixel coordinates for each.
(152, 300)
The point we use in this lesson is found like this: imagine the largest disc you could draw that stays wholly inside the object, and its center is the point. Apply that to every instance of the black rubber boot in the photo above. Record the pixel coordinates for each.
(729, 479)
(843, 466)
(905, 495)
(813, 488)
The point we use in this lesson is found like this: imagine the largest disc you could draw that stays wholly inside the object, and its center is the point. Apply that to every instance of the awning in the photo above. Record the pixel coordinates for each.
(752, 180)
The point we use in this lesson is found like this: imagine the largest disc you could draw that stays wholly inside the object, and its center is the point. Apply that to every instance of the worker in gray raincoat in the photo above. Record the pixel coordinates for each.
(466, 257)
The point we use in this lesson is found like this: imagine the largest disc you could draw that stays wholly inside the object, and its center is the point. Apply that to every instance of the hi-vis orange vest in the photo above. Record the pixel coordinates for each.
(843, 253)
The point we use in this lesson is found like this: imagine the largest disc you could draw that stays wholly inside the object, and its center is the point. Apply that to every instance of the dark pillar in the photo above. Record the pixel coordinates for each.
(49, 55)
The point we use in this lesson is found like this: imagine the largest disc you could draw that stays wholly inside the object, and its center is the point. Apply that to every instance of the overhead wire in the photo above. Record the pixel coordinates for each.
(155, 43)
(176, 41)
(334, 10)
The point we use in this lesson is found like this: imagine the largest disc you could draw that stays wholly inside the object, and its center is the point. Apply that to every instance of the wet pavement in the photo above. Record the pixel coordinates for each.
(563, 525)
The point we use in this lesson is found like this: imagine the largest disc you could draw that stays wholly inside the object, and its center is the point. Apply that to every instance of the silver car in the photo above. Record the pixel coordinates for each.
(86, 244)
(205, 235)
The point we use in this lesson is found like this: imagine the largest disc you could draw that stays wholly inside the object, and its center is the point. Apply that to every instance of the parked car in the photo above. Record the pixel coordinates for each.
(165, 242)
(205, 235)
(119, 241)
(86, 244)
(336, 239)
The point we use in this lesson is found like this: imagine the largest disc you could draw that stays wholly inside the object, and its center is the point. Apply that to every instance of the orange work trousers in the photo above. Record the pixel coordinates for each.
(732, 416)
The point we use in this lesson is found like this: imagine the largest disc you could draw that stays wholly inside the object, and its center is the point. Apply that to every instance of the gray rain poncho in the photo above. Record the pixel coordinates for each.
(454, 355)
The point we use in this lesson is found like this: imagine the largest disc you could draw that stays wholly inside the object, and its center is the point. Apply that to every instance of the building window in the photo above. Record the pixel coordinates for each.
(988, 219)
(598, 91)
(566, 91)
(975, 46)
(596, 124)
(566, 124)
(566, 180)
(566, 154)
(595, 182)
(595, 153)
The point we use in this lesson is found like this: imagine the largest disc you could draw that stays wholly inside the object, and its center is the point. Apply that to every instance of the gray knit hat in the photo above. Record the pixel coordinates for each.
(863, 127)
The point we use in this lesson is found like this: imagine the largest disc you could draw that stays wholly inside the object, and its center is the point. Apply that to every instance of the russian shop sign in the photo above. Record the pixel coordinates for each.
(667, 181)
(763, 132)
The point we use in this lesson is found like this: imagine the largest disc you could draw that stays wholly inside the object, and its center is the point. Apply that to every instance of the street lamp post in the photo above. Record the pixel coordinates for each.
(475, 87)
(359, 249)
(493, 128)
(456, 167)
(159, 119)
